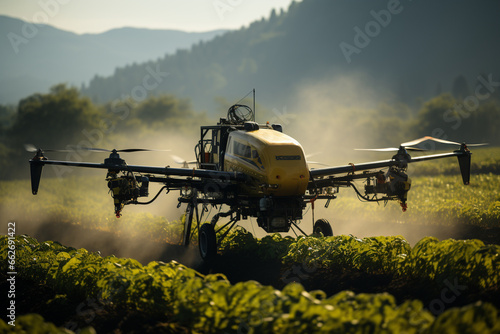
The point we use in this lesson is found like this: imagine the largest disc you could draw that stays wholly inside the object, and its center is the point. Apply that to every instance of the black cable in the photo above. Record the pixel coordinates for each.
(365, 198)
(154, 198)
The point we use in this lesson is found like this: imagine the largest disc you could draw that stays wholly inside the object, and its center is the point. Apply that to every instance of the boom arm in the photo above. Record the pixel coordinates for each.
(401, 159)
(115, 163)
(393, 185)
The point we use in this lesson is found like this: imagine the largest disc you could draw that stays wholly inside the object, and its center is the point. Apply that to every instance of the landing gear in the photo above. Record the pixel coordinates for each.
(187, 223)
(322, 226)
(208, 236)
(207, 242)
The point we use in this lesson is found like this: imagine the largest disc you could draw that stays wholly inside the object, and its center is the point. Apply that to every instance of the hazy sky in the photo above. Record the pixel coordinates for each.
(93, 16)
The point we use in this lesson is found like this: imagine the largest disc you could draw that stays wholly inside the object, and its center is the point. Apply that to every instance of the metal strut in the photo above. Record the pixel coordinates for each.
(232, 221)
(191, 206)
(297, 226)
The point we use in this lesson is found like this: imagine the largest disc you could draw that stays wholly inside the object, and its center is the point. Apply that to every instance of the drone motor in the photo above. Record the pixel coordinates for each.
(126, 189)
(395, 185)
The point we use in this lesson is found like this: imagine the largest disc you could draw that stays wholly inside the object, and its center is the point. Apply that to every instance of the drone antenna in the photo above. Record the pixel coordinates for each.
(250, 92)
(254, 104)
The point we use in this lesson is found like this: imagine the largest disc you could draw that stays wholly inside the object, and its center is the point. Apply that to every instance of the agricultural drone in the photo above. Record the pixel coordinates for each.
(254, 170)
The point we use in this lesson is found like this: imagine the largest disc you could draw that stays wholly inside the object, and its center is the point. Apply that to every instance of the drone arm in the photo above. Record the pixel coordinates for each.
(464, 161)
(436, 156)
(37, 164)
(463, 155)
(202, 173)
(352, 168)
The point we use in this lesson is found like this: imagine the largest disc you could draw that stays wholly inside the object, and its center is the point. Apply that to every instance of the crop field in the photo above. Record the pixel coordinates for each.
(169, 297)
(81, 270)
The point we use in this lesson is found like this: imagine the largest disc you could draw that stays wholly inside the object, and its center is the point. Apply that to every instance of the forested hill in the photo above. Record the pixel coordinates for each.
(408, 48)
(36, 57)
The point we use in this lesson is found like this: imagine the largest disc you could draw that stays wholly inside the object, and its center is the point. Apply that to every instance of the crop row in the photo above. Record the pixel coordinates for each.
(34, 323)
(470, 262)
(210, 304)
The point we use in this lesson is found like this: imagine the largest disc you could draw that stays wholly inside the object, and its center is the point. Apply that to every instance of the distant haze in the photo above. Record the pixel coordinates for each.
(406, 51)
(94, 16)
(35, 57)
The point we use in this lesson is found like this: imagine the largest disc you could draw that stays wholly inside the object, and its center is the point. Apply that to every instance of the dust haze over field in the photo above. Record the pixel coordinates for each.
(327, 116)
(85, 195)
(329, 107)
(331, 119)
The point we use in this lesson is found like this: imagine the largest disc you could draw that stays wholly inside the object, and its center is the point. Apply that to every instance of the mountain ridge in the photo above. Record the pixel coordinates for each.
(37, 56)
(425, 45)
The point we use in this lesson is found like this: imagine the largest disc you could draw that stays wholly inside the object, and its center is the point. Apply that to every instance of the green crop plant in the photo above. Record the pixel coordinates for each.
(210, 304)
(377, 255)
(469, 261)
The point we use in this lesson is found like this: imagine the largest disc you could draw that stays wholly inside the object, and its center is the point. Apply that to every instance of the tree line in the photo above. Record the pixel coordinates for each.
(64, 118)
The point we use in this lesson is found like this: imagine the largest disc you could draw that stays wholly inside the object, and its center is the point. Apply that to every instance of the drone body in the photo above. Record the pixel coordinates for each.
(255, 171)
(275, 161)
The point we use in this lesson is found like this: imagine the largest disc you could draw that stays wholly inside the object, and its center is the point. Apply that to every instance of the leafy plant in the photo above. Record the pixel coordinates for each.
(210, 304)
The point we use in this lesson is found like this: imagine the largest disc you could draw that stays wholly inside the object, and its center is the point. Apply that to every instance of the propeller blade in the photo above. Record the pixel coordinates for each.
(416, 149)
(442, 141)
(125, 150)
(179, 160)
(129, 150)
(30, 148)
(33, 149)
(95, 149)
(310, 155)
(408, 145)
(387, 149)
(183, 162)
(418, 141)
(390, 149)
(482, 144)
(316, 163)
